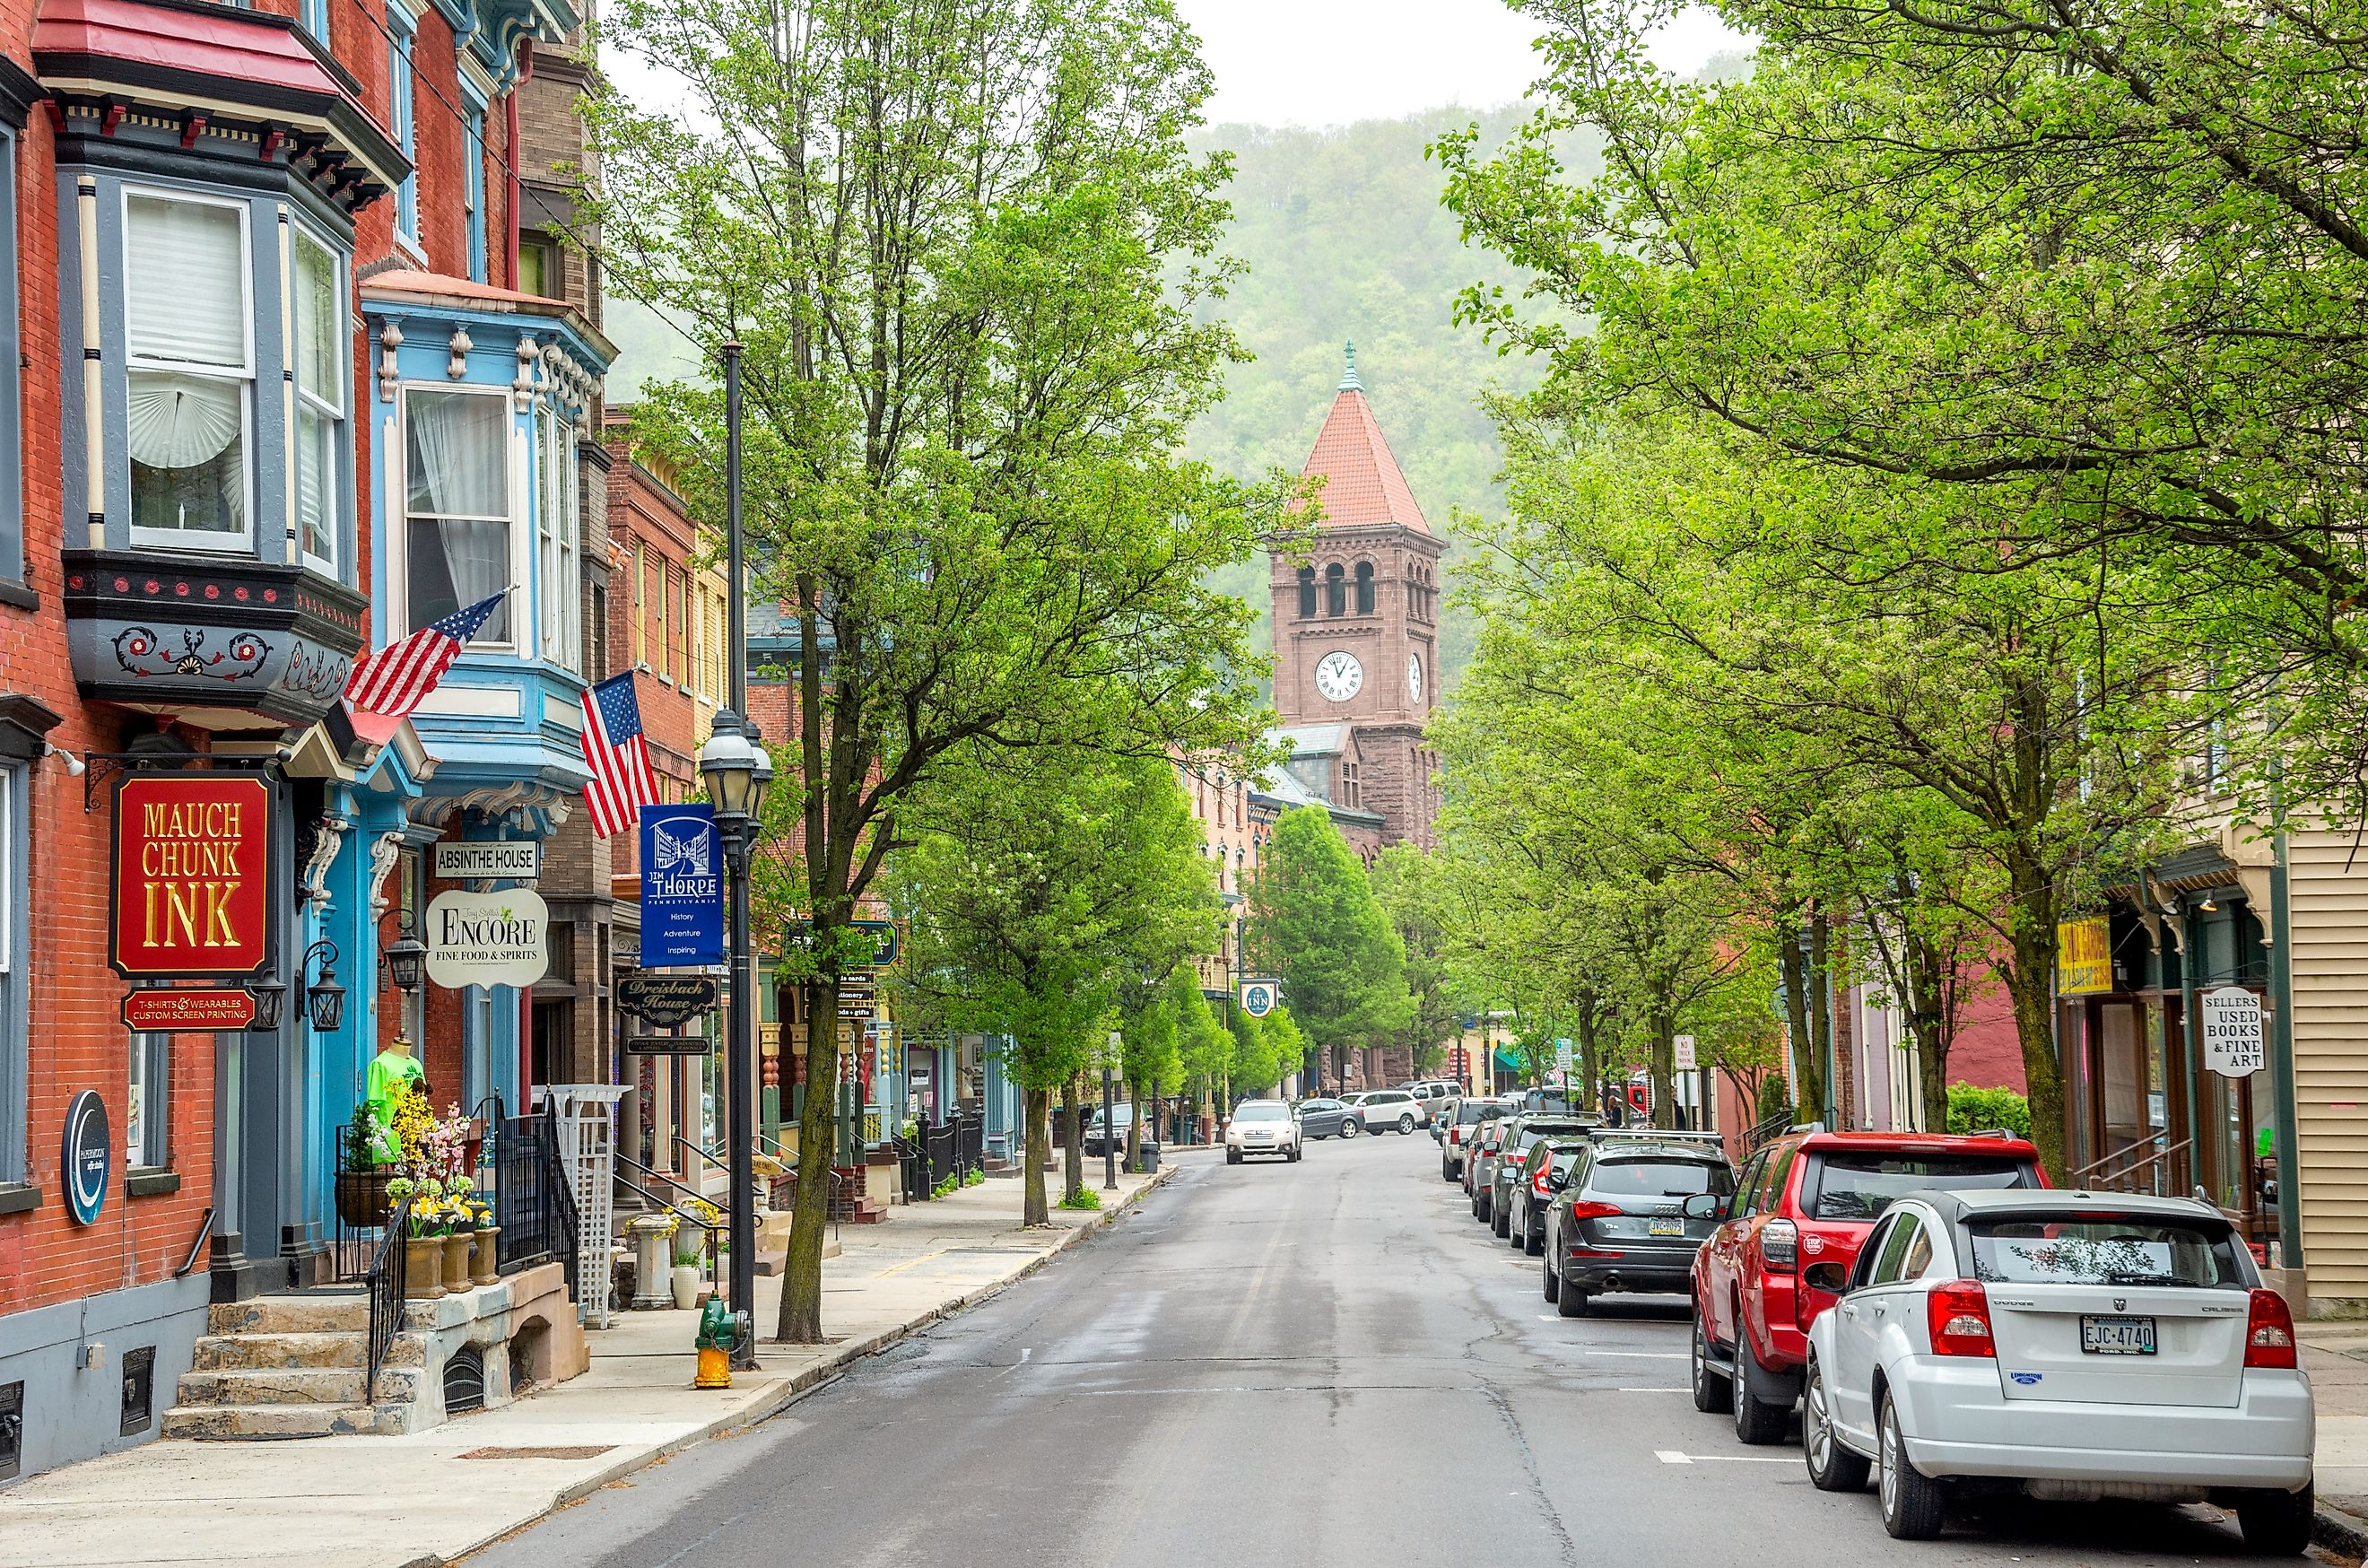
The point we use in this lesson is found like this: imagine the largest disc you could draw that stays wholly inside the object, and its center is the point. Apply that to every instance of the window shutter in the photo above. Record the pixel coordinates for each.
(187, 294)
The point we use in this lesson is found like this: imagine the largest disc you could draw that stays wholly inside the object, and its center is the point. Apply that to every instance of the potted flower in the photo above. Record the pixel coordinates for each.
(458, 1214)
(423, 1243)
(362, 1181)
(486, 1272)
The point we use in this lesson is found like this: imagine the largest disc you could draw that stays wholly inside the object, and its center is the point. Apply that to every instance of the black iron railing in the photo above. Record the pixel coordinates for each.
(532, 1201)
(933, 1155)
(385, 1283)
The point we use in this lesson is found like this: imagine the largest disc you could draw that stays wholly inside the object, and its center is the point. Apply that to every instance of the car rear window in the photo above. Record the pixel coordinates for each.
(1471, 1111)
(1533, 1132)
(1860, 1184)
(2102, 1249)
(1661, 1178)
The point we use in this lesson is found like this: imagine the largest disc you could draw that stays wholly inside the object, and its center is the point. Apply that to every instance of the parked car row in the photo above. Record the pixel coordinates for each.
(1944, 1320)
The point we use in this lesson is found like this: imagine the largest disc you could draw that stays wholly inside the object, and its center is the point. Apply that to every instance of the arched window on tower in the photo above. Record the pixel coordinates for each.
(1364, 588)
(1307, 592)
(1336, 590)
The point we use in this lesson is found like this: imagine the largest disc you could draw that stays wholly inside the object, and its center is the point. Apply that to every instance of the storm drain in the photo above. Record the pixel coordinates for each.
(465, 1381)
(556, 1452)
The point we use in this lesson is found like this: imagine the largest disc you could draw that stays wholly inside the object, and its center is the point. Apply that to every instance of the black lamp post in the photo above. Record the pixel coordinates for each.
(325, 999)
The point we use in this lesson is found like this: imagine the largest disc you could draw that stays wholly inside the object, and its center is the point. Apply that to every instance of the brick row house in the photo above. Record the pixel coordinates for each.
(295, 362)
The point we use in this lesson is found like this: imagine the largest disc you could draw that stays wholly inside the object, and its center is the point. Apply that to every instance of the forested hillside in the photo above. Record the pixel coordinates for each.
(1343, 238)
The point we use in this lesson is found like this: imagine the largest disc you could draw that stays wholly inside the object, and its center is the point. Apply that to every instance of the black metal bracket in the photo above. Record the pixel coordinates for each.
(101, 768)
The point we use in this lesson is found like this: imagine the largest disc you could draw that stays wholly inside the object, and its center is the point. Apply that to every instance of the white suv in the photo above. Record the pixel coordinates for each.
(1262, 1127)
(1385, 1110)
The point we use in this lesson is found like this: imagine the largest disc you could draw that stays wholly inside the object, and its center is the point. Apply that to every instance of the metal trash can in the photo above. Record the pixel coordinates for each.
(1150, 1153)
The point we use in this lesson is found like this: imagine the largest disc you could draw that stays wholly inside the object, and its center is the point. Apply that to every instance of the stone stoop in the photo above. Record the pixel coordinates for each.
(279, 1367)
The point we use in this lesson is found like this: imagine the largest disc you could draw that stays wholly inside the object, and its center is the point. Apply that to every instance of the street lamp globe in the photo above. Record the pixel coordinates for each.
(759, 779)
(728, 765)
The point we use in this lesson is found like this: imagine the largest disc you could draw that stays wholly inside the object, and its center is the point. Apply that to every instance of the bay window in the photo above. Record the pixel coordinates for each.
(320, 400)
(457, 516)
(191, 370)
(558, 525)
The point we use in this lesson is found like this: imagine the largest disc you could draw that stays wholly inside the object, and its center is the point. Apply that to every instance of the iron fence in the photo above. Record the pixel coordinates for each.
(384, 1280)
(532, 1202)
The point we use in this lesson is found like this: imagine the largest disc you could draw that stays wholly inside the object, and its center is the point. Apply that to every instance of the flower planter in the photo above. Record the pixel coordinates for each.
(685, 1281)
(457, 1251)
(423, 1267)
(362, 1203)
(483, 1273)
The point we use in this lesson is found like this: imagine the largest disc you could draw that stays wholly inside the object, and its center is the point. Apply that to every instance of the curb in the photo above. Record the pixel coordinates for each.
(787, 1392)
(2339, 1531)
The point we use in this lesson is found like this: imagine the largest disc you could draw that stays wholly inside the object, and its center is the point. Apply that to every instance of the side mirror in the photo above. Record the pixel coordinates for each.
(1830, 1278)
(1704, 1206)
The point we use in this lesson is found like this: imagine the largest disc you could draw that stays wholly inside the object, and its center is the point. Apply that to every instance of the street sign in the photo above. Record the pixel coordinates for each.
(664, 1001)
(665, 1045)
(682, 886)
(1562, 1056)
(87, 1157)
(2234, 1044)
(800, 936)
(1685, 1054)
(487, 938)
(195, 1012)
(1260, 997)
(486, 859)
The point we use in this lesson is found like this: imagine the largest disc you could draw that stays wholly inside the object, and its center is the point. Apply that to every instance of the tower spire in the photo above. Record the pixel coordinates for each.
(1349, 381)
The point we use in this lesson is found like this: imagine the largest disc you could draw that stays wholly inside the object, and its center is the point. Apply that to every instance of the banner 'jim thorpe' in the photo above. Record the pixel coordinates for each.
(192, 876)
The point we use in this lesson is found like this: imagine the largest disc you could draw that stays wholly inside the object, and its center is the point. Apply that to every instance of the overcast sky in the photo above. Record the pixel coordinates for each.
(1318, 63)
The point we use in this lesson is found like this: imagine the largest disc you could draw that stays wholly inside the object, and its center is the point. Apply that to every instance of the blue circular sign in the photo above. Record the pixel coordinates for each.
(89, 1156)
(1258, 998)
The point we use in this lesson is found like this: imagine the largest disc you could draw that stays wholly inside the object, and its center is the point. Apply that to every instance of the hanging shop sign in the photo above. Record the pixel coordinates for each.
(799, 938)
(191, 878)
(194, 1012)
(488, 861)
(88, 1158)
(667, 1045)
(1259, 997)
(682, 886)
(667, 1001)
(2234, 1045)
(2084, 956)
(487, 938)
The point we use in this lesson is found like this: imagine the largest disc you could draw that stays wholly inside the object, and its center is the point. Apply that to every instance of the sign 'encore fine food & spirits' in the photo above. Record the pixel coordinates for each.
(191, 883)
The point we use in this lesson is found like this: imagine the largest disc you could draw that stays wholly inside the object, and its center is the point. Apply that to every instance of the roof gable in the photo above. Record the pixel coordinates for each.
(1363, 487)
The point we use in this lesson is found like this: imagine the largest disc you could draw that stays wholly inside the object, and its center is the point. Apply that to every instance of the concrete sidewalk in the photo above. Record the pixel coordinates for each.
(2336, 1356)
(416, 1500)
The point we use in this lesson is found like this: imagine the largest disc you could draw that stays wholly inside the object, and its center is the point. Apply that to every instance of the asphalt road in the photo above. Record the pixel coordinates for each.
(1326, 1363)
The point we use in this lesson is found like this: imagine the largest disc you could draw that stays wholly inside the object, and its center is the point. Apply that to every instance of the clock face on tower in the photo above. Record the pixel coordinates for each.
(1340, 676)
(1414, 677)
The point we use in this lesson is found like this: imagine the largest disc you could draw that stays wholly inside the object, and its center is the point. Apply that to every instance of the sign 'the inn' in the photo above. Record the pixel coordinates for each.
(191, 877)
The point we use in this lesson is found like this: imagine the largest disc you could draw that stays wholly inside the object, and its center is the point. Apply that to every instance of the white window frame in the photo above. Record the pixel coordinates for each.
(15, 1057)
(399, 482)
(558, 545)
(184, 539)
(402, 92)
(340, 437)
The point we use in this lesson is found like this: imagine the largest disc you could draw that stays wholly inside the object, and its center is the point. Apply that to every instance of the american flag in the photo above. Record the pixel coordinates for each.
(619, 755)
(398, 678)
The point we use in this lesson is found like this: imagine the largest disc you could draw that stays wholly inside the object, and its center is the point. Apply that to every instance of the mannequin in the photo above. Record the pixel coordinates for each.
(394, 1074)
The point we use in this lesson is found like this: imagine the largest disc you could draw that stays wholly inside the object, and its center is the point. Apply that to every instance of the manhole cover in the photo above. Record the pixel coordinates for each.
(558, 1452)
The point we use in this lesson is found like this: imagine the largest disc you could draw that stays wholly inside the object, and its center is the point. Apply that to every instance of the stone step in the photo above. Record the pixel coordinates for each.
(326, 1313)
(274, 1385)
(274, 1352)
(250, 1423)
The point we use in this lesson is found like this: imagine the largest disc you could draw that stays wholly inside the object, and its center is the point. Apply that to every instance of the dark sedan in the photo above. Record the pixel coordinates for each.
(1521, 1134)
(1543, 1173)
(1619, 1224)
(1322, 1118)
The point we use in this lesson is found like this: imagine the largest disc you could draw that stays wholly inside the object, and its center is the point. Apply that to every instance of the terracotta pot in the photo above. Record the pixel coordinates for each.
(362, 1203)
(457, 1250)
(482, 1274)
(423, 1267)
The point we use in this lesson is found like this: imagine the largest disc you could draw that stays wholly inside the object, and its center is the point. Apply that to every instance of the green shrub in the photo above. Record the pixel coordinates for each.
(1083, 1197)
(1979, 1110)
(1775, 1095)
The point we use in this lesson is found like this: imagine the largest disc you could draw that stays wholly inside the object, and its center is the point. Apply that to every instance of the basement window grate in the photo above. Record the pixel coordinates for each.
(11, 1430)
(465, 1381)
(138, 1390)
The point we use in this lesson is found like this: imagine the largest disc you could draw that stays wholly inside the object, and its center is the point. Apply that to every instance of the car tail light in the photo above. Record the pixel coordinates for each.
(1538, 1183)
(2269, 1331)
(1780, 1244)
(1596, 1211)
(1959, 1316)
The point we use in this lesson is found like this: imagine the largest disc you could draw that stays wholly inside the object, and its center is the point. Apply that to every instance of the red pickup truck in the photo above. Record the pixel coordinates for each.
(1810, 1197)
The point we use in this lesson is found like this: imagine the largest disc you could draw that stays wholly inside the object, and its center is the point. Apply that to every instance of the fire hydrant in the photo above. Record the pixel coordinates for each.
(720, 1334)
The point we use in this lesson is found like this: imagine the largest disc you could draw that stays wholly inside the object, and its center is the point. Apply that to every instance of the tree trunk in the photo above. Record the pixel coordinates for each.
(1034, 1209)
(1821, 1017)
(1935, 1030)
(1590, 1056)
(1073, 1138)
(1809, 1068)
(801, 1316)
(1663, 1065)
(1134, 1125)
(2031, 985)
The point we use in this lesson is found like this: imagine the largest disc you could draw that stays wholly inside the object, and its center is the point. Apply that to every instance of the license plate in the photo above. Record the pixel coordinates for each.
(1665, 1228)
(2117, 1336)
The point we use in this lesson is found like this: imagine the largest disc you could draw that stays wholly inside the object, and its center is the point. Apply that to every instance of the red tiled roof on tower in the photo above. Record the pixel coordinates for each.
(1365, 486)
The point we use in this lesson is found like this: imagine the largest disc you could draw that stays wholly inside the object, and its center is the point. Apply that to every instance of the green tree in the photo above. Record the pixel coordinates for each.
(966, 249)
(1314, 922)
(1408, 883)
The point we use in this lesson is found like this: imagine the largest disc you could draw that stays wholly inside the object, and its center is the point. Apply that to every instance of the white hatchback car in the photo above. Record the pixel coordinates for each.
(1262, 1126)
(2074, 1346)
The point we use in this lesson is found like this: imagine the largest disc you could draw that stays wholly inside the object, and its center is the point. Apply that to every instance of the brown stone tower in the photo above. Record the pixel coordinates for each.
(1355, 628)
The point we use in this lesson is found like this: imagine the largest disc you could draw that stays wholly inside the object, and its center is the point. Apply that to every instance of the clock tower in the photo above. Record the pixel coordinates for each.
(1355, 628)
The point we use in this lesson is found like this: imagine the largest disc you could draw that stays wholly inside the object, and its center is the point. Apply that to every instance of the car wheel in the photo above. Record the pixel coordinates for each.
(1570, 1302)
(1406, 1125)
(1532, 1241)
(1757, 1422)
(1912, 1503)
(1480, 1206)
(1714, 1395)
(2276, 1524)
(1501, 1218)
(1552, 1284)
(1351, 1128)
(1444, 1174)
(1832, 1467)
(1291, 1155)
(1233, 1156)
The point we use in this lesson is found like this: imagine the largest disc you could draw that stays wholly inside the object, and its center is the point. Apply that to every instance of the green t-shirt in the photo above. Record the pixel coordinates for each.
(390, 1078)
